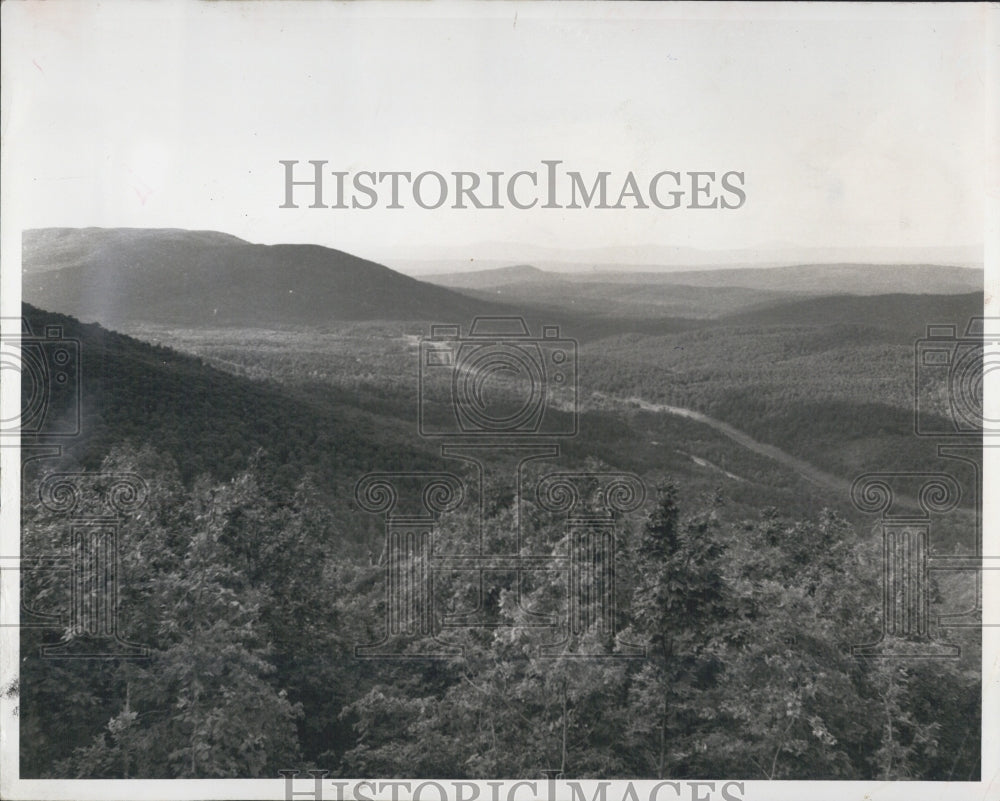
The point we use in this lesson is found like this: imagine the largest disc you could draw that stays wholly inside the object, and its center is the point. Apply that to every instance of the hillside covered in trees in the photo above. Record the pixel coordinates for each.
(251, 577)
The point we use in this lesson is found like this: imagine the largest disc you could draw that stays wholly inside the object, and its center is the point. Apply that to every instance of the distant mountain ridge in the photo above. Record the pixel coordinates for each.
(426, 260)
(518, 274)
(173, 277)
(799, 279)
(182, 278)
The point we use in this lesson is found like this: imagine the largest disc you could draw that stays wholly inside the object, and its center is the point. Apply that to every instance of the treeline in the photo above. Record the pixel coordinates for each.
(211, 422)
(251, 612)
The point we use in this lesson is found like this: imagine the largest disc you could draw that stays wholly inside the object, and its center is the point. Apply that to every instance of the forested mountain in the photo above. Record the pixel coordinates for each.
(209, 421)
(901, 316)
(251, 576)
(53, 248)
(116, 276)
(829, 379)
(253, 572)
(201, 278)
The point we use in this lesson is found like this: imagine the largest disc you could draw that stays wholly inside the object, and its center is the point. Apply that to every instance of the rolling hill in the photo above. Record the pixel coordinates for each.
(53, 248)
(626, 302)
(118, 276)
(904, 317)
(210, 421)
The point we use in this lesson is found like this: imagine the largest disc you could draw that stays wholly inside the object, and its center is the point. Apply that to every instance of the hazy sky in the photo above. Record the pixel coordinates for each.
(853, 126)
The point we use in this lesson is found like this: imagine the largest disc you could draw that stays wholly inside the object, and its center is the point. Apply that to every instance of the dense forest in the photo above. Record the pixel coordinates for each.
(251, 617)
(841, 396)
(249, 575)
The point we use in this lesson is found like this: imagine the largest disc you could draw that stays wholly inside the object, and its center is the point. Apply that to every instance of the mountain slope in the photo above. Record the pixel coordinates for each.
(54, 248)
(210, 421)
(172, 277)
(904, 316)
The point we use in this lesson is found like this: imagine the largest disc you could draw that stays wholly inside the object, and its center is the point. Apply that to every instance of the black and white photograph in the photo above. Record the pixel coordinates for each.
(457, 401)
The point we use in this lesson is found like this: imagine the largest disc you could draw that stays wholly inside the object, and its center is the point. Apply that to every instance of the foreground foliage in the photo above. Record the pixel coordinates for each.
(251, 610)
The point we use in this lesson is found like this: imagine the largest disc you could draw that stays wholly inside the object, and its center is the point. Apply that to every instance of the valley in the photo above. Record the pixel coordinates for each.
(252, 387)
(758, 370)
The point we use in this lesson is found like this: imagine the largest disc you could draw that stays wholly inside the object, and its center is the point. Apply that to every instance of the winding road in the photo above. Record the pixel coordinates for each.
(809, 472)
